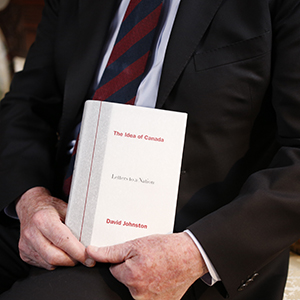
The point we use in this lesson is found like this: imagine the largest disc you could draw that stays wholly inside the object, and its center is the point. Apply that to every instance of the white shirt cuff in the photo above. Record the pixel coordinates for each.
(212, 277)
(10, 211)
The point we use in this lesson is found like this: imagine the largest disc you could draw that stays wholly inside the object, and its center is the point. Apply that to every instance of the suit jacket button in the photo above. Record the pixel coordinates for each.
(249, 280)
(242, 287)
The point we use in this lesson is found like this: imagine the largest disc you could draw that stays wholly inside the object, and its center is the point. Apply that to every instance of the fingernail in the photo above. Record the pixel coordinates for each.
(89, 262)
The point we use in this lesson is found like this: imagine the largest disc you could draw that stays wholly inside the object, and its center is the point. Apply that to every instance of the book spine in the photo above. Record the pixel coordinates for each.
(85, 183)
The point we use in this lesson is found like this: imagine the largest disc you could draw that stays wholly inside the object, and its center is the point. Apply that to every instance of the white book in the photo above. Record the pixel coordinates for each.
(126, 173)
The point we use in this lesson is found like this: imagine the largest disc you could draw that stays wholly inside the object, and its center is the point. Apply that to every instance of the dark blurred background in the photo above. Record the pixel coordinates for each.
(18, 23)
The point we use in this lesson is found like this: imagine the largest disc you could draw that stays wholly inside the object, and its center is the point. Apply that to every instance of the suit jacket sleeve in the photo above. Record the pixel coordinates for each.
(245, 235)
(29, 117)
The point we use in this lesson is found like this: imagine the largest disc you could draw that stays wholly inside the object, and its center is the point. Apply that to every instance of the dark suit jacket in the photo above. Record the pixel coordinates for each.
(234, 67)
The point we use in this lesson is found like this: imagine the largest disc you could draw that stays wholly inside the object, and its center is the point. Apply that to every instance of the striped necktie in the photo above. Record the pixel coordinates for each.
(126, 65)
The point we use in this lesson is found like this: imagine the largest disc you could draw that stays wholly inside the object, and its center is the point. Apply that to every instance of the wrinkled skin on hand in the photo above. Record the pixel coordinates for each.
(45, 241)
(155, 267)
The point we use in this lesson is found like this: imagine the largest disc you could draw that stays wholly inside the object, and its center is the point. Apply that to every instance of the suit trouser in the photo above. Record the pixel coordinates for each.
(80, 282)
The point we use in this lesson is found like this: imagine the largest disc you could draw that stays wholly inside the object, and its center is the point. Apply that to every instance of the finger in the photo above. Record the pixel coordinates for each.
(62, 238)
(37, 261)
(114, 254)
(29, 254)
(54, 256)
(56, 243)
(37, 250)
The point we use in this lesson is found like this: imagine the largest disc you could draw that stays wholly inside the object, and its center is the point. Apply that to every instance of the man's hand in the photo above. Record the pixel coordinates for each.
(155, 267)
(45, 241)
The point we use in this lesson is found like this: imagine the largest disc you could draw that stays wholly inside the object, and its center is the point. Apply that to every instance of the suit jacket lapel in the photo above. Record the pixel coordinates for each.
(192, 20)
(91, 36)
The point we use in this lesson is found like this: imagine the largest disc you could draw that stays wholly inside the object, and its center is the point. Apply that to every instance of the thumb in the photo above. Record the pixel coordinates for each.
(113, 254)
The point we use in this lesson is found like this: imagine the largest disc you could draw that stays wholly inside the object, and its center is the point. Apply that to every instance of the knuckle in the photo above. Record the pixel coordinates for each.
(39, 218)
(26, 235)
(110, 252)
(60, 240)
(51, 261)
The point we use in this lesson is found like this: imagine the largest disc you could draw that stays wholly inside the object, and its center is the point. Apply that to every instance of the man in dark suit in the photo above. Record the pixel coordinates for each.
(233, 66)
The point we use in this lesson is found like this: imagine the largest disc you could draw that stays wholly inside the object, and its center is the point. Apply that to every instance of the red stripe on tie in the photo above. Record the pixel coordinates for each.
(126, 76)
(131, 102)
(139, 31)
(130, 8)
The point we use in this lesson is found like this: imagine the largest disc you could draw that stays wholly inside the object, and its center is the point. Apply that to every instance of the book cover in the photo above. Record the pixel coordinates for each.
(126, 173)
